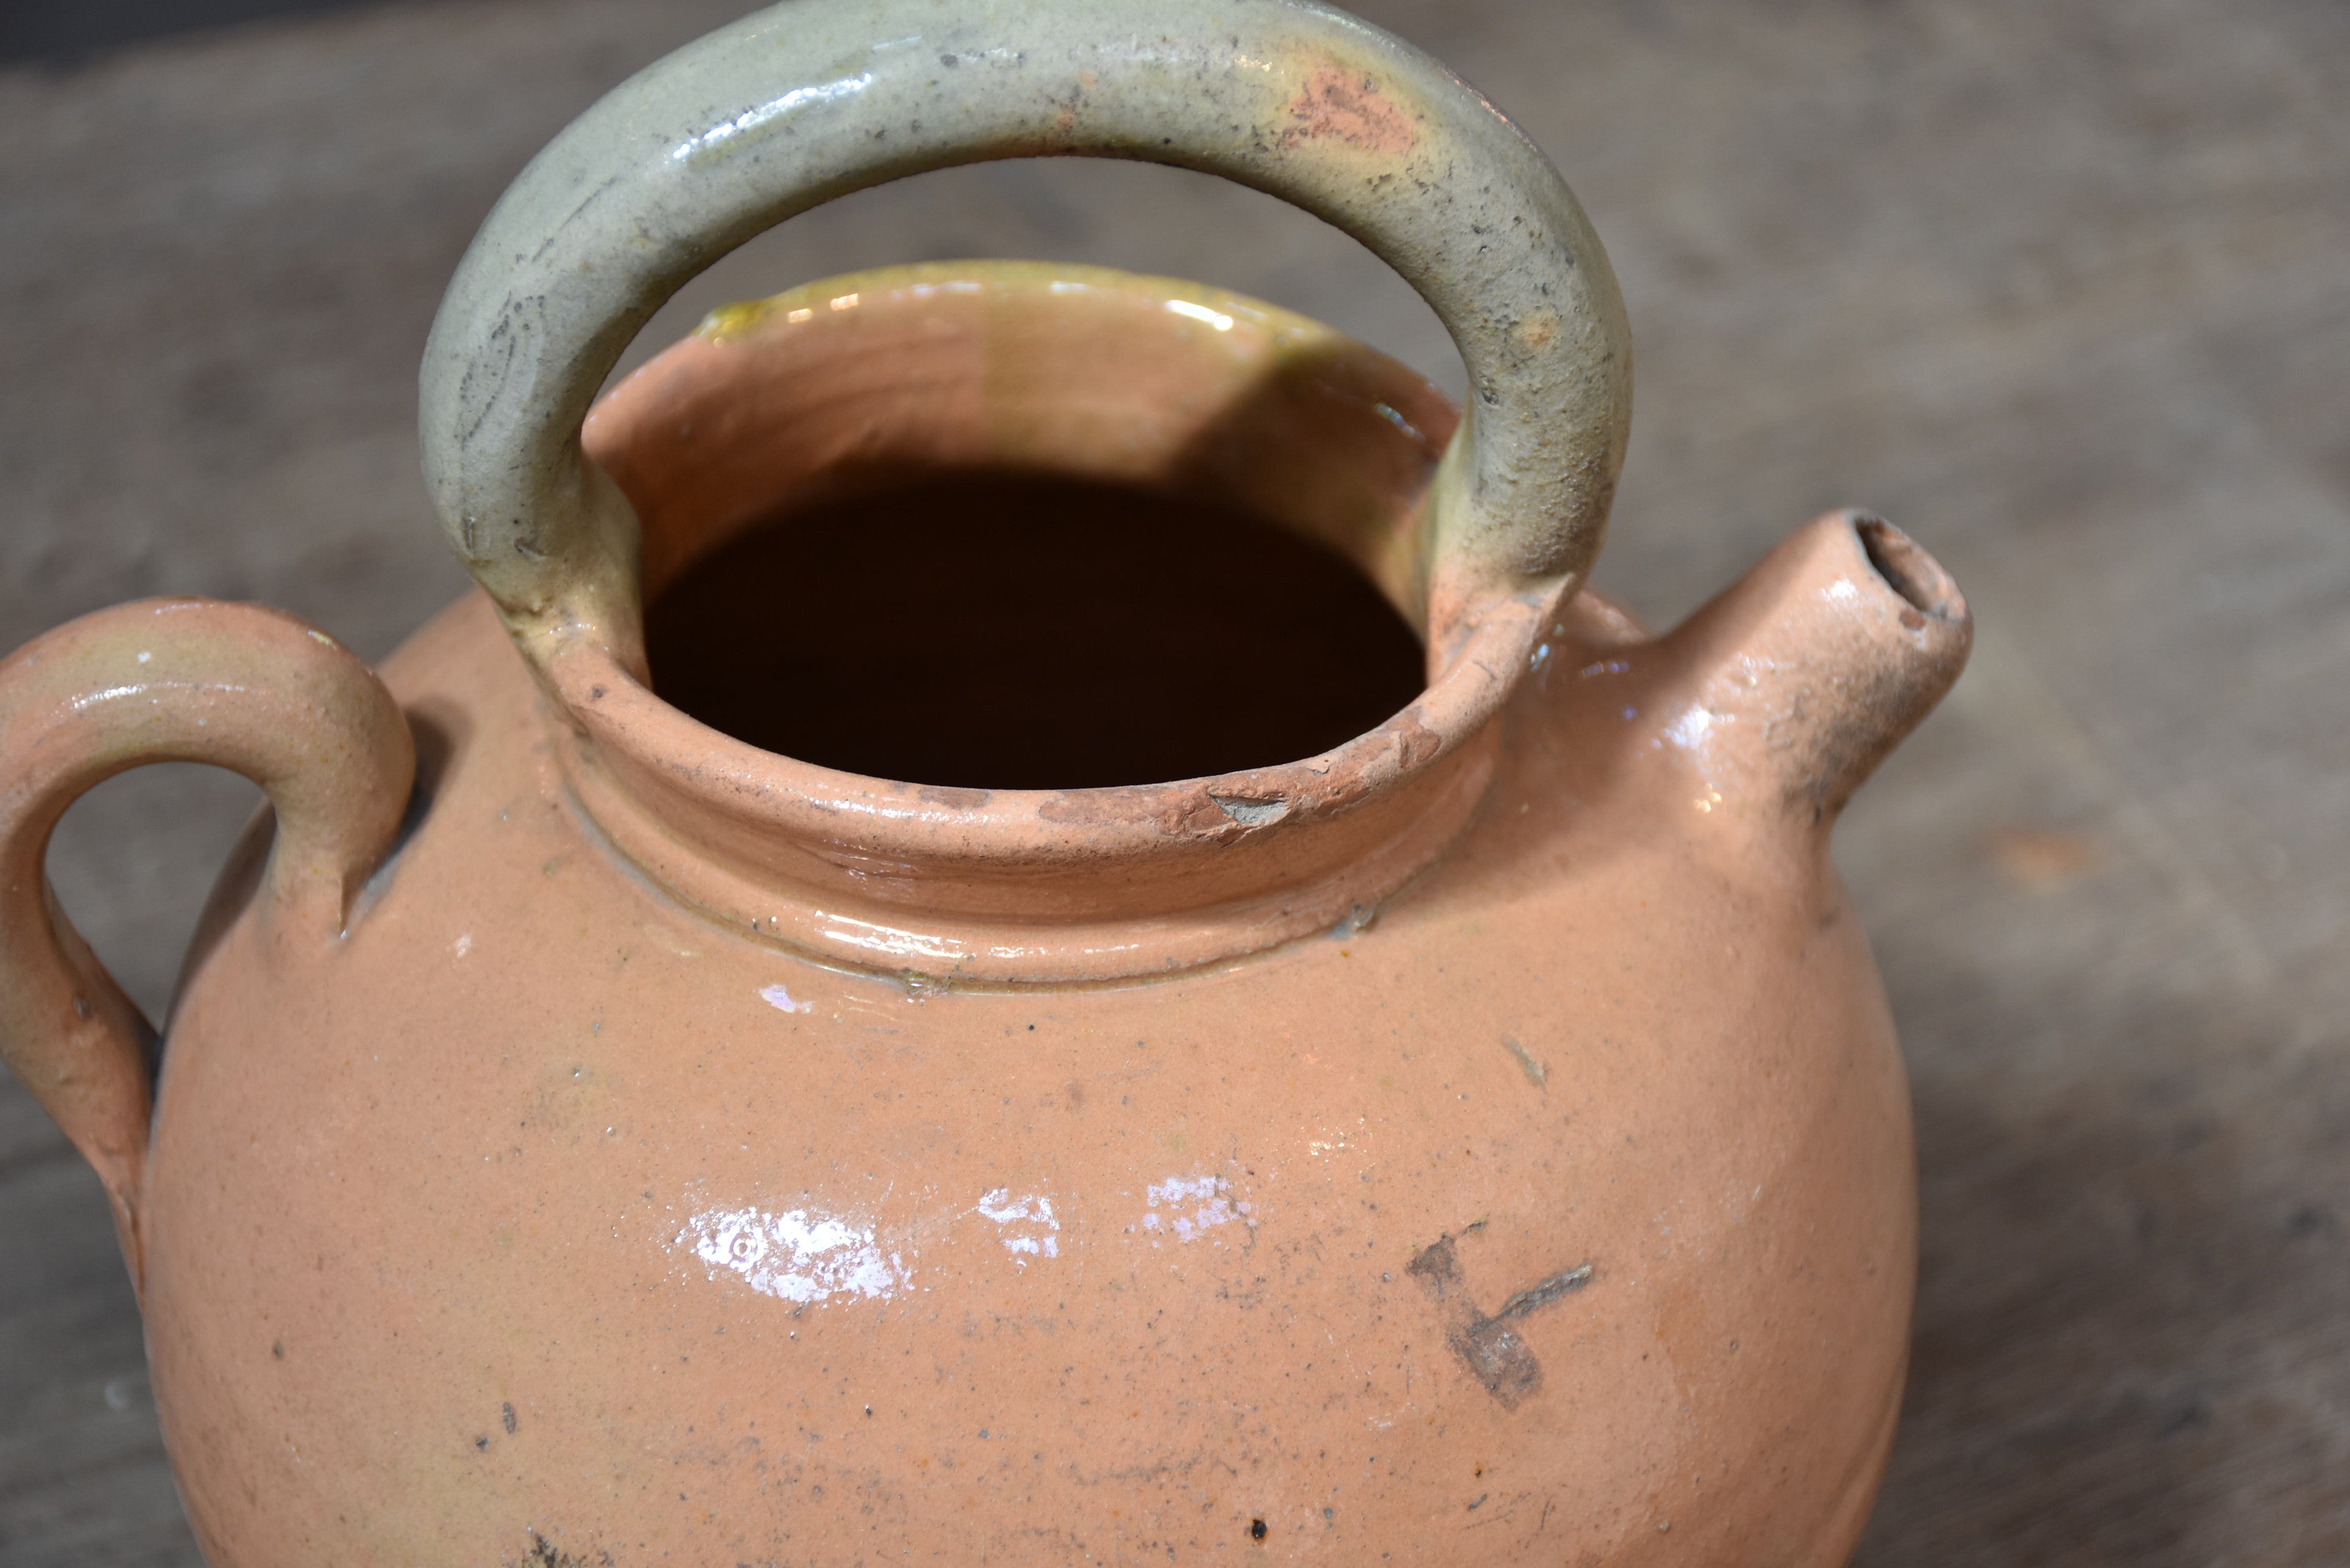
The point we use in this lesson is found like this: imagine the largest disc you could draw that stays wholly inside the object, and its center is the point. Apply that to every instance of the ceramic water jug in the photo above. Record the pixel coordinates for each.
(584, 1136)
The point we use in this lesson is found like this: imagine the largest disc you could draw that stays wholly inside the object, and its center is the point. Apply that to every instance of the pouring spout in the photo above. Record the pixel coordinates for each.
(1825, 655)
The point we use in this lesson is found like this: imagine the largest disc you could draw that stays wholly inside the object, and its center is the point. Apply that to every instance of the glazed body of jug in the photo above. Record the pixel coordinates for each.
(582, 1137)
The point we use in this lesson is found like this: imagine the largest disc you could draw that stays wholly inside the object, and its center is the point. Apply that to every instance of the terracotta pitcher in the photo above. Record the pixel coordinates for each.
(584, 1138)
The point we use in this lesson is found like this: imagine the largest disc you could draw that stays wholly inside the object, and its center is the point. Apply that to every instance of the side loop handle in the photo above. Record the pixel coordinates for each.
(239, 686)
(812, 99)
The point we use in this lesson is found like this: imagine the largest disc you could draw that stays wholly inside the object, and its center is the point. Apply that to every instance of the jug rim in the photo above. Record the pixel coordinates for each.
(1086, 884)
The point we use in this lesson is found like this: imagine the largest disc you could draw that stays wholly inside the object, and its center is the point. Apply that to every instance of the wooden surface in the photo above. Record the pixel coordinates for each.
(2063, 288)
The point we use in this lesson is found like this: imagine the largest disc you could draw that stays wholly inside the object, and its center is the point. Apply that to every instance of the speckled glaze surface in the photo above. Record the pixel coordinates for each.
(1482, 1142)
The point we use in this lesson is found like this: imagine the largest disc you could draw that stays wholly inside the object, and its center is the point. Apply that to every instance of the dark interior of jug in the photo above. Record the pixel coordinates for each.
(1012, 631)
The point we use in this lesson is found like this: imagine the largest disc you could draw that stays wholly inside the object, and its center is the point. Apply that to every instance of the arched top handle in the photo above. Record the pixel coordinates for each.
(796, 105)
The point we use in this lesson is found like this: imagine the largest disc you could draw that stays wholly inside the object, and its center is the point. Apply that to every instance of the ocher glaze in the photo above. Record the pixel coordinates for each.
(1239, 1243)
(462, 1162)
(1483, 1143)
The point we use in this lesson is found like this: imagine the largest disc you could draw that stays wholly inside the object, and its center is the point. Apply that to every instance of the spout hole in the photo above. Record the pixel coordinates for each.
(1908, 570)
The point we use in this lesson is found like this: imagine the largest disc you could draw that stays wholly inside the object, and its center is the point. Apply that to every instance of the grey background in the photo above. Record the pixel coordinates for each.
(2063, 288)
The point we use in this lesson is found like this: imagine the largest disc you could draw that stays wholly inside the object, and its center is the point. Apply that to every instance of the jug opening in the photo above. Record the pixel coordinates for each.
(1174, 548)
(1010, 631)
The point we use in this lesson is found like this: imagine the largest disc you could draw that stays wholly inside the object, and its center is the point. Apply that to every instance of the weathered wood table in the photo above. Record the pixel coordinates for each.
(2063, 288)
